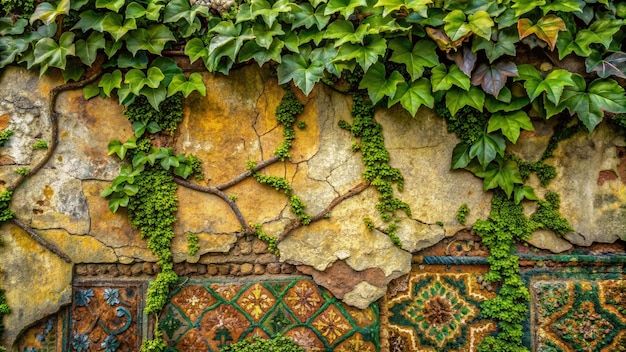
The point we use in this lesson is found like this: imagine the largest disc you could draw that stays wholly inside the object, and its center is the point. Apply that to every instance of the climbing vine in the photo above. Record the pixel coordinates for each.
(488, 67)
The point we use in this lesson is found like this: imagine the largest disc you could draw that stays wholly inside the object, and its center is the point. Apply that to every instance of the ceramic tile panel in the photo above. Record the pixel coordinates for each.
(205, 315)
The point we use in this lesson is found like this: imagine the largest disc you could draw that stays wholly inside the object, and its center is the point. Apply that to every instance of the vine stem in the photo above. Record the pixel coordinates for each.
(53, 95)
(49, 246)
(321, 215)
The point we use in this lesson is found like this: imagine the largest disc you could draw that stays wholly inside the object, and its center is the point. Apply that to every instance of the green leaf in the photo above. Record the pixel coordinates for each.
(113, 5)
(111, 48)
(441, 79)
(456, 26)
(48, 13)
(344, 7)
(49, 53)
(119, 148)
(457, 98)
(504, 44)
(612, 65)
(195, 49)
(546, 29)
(73, 71)
(460, 156)
(521, 192)
(89, 20)
(268, 12)
(152, 39)
(304, 74)
(110, 81)
(180, 83)
(554, 84)
(366, 54)
(181, 9)
(264, 36)
(510, 124)
(480, 23)
(153, 11)
(564, 6)
(419, 6)
(168, 67)
(308, 17)
(378, 85)
(487, 147)
(8, 27)
(134, 10)
(90, 91)
(423, 54)
(251, 50)
(127, 60)
(113, 24)
(503, 174)
(118, 201)
(87, 50)
(523, 6)
(155, 95)
(493, 78)
(591, 103)
(343, 32)
(413, 96)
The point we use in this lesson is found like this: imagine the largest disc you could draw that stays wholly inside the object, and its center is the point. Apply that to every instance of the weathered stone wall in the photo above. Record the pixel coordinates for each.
(234, 123)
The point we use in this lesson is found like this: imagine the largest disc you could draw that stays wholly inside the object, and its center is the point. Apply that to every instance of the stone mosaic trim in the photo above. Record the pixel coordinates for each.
(581, 315)
(205, 315)
(437, 308)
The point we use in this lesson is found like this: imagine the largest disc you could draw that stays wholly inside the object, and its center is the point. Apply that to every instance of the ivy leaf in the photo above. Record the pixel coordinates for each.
(137, 79)
(226, 44)
(152, 39)
(466, 60)
(179, 9)
(49, 53)
(344, 7)
(267, 11)
(154, 95)
(305, 15)
(252, 50)
(153, 11)
(416, 57)
(419, 6)
(493, 78)
(343, 32)
(487, 147)
(89, 20)
(325, 55)
(113, 24)
(7, 27)
(87, 50)
(546, 29)
(564, 6)
(265, 36)
(119, 148)
(304, 74)
(457, 98)
(521, 7)
(378, 85)
(413, 96)
(504, 44)
(127, 60)
(195, 49)
(134, 10)
(168, 68)
(113, 5)
(90, 91)
(117, 201)
(510, 124)
(366, 54)
(460, 156)
(480, 23)
(521, 192)
(180, 83)
(591, 103)
(455, 26)
(612, 65)
(501, 174)
(554, 83)
(110, 81)
(443, 41)
(441, 79)
(48, 13)
(493, 104)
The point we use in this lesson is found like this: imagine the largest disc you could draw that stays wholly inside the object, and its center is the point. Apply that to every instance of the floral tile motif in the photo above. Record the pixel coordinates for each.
(579, 315)
(205, 315)
(43, 335)
(437, 309)
(106, 316)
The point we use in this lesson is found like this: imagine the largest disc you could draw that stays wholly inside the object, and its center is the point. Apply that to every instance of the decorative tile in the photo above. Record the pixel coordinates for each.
(41, 336)
(106, 316)
(206, 315)
(437, 308)
(580, 315)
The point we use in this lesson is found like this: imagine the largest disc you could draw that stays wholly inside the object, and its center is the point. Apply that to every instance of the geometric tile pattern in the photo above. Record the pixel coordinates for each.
(437, 309)
(580, 315)
(205, 315)
(106, 316)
